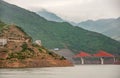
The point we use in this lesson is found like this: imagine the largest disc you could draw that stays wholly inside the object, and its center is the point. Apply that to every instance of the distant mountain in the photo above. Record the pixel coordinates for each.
(53, 17)
(57, 34)
(109, 27)
(49, 16)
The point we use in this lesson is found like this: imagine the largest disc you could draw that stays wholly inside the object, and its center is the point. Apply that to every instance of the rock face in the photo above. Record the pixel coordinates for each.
(19, 51)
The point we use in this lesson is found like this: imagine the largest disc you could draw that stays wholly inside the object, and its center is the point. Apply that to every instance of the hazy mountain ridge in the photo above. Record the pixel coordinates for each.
(49, 16)
(53, 17)
(109, 27)
(55, 34)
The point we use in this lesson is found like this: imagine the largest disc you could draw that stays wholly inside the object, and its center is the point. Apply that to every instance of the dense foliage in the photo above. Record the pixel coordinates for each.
(1, 25)
(53, 34)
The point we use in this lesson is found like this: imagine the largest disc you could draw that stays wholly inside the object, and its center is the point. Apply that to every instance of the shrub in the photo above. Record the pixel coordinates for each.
(62, 58)
(31, 50)
(34, 45)
(2, 59)
(24, 47)
(40, 49)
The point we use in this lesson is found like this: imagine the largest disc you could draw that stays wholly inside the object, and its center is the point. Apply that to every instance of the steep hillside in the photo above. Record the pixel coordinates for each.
(109, 27)
(49, 16)
(17, 50)
(54, 34)
(1, 25)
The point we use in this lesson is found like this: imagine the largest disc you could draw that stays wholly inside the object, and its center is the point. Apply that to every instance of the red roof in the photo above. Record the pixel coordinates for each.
(83, 54)
(103, 54)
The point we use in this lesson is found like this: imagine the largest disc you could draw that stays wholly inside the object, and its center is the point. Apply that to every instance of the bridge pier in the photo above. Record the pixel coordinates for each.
(101, 60)
(82, 60)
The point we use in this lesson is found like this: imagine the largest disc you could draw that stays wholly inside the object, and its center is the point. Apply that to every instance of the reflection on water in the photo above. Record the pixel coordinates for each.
(82, 71)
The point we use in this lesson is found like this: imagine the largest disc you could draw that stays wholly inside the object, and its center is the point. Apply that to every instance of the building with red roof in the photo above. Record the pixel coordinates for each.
(102, 54)
(81, 55)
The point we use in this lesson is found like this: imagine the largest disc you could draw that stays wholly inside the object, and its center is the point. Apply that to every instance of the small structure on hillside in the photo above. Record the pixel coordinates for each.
(56, 49)
(101, 54)
(3, 42)
(38, 42)
(81, 55)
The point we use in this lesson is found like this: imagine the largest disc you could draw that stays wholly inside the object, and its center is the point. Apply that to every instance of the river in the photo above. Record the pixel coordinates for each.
(79, 71)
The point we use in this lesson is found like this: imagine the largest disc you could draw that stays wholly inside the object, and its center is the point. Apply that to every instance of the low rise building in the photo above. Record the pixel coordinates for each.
(38, 42)
(3, 42)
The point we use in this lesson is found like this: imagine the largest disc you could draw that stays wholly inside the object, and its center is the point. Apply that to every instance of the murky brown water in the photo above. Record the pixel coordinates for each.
(82, 71)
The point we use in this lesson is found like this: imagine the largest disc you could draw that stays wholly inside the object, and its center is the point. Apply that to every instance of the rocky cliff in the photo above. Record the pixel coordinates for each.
(17, 50)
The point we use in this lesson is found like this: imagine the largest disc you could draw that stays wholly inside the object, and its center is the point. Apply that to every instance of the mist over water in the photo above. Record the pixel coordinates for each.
(81, 71)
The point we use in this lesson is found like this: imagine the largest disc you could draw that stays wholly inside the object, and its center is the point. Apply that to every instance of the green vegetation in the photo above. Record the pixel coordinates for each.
(20, 55)
(2, 59)
(62, 58)
(1, 25)
(24, 47)
(53, 34)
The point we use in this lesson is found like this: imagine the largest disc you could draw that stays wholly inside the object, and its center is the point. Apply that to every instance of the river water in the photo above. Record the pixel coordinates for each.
(79, 71)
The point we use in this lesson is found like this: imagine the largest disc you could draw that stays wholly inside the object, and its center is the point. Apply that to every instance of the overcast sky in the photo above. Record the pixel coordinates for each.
(74, 10)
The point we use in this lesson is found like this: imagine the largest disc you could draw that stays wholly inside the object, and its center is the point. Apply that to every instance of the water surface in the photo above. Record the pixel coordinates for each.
(79, 71)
